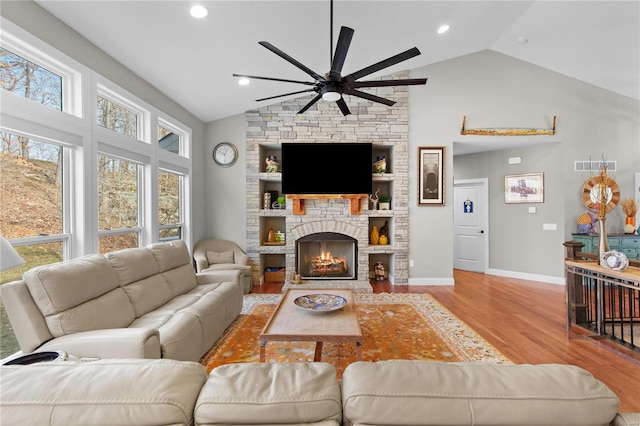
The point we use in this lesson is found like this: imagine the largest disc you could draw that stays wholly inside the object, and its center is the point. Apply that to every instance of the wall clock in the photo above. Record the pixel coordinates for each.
(591, 193)
(225, 154)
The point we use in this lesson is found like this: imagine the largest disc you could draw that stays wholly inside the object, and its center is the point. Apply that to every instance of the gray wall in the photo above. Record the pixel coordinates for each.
(492, 90)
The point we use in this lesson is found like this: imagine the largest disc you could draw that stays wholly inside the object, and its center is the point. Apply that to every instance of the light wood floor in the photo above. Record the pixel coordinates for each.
(525, 320)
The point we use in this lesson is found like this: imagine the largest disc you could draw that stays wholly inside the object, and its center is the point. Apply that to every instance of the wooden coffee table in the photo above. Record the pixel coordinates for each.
(290, 323)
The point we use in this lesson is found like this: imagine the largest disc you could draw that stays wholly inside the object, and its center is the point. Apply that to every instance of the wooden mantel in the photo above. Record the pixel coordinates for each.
(355, 201)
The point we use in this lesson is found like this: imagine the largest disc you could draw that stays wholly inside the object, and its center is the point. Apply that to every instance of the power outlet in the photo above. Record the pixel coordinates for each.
(411, 263)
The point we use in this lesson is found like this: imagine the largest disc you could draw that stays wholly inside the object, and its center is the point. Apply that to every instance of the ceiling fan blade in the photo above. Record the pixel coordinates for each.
(313, 101)
(383, 64)
(289, 59)
(343, 106)
(344, 40)
(386, 83)
(308, 83)
(286, 94)
(370, 97)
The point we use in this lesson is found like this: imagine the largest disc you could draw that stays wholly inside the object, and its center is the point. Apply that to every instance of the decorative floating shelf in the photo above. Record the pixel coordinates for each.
(507, 131)
(355, 201)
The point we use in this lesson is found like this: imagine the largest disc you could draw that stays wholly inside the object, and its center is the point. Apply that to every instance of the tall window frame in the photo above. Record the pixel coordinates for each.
(76, 130)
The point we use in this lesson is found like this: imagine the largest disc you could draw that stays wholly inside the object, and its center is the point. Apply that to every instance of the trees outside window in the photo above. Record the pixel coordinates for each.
(118, 203)
(30, 80)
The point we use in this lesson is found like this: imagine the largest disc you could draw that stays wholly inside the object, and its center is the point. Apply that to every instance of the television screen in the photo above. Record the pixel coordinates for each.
(326, 168)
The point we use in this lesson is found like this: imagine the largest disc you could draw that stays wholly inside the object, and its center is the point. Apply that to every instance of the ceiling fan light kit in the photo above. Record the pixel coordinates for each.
(332, 86)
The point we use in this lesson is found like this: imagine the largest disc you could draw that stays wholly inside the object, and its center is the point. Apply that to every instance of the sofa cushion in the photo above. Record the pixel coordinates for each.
(283, 393)
(132, 264)
(180, 280)
(170, 255)
(113, 392)
(139, 275)
(111, 310)
(63, 285)
(79, 295)
(436, 393)
(215, 257)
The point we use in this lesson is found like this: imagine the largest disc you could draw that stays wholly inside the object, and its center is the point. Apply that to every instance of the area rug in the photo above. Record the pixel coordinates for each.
(394, 326)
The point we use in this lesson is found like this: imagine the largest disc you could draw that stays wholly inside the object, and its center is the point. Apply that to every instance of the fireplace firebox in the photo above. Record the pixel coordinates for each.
(326, 256)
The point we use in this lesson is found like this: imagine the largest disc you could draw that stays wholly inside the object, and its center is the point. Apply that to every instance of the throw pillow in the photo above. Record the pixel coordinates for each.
(219, 257)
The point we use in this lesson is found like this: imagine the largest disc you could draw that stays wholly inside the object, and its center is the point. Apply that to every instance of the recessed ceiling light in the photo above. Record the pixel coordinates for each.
(198, 11)
(243, 81)
(443, 29)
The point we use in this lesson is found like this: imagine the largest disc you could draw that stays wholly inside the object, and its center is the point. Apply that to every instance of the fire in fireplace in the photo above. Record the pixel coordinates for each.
(326, 255)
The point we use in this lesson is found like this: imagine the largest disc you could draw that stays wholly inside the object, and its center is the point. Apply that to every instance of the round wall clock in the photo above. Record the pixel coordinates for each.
(225, 154)
(591, 193)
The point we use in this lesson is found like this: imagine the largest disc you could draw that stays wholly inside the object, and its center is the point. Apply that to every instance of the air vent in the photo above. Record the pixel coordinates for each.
(593, 166)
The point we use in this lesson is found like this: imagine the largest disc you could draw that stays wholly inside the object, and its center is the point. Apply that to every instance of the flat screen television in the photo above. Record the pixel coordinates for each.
(326, 168)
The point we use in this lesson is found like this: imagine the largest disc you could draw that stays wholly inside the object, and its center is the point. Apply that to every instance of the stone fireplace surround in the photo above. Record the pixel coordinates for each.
(385, 127)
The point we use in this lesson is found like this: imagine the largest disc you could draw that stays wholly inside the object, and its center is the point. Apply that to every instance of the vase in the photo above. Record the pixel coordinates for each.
(630, 220)
(603, 242)
(375, 236)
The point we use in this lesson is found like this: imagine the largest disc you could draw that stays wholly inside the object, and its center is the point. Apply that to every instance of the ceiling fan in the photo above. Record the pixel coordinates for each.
(332, 85)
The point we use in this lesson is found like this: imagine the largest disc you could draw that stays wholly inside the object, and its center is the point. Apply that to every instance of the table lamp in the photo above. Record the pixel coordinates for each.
(9, 257)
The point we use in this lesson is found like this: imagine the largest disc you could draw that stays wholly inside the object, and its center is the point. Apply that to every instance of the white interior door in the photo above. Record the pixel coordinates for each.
(471, 224)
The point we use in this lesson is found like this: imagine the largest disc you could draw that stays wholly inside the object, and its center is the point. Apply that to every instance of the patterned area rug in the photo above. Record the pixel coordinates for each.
(394, 326)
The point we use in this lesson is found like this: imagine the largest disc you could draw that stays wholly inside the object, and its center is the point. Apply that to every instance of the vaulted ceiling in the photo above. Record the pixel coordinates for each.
(192, 60)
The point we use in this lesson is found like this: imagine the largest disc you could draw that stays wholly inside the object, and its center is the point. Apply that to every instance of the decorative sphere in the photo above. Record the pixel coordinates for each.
(629, 229)
(383, 240)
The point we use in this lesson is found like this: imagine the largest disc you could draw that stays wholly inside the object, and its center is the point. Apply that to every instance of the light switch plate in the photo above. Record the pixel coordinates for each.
(549, 227)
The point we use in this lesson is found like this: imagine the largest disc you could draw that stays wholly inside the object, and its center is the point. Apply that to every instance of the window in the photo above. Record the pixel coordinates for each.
(118, 203)
(170, 205)
(68, 187)
(30, 80)
(117, 118)
(31, 194)
(168, 140)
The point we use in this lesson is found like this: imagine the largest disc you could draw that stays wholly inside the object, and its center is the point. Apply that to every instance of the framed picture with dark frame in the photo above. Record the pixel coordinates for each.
(527, 188)
(431, 175)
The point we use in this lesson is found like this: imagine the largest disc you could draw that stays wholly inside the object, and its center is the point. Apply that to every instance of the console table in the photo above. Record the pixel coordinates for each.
(628, 244)
(604, 301)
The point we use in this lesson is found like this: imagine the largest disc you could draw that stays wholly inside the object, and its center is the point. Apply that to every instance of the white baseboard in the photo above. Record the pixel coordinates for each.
(498, 272)
(526, 276)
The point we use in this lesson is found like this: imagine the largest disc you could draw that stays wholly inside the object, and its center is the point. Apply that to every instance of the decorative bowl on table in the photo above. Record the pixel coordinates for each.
(614, 260)
(320, 302)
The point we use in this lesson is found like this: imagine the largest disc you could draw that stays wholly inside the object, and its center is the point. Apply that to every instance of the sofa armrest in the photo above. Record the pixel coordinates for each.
(241, 258)
(626, 419)
(219, 276)
(201, 261)
(108, 343)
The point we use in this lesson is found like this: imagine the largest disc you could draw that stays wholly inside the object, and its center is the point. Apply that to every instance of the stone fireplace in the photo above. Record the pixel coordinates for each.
(387, 129)
(326, 256)
(344, 237)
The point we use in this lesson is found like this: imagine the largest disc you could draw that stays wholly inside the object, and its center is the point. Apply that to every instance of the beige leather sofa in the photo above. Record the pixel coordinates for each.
(135, 303)
(153, 392)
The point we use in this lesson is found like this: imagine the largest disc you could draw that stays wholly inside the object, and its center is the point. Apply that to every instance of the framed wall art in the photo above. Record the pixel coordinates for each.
(431, 175)
(528, 188)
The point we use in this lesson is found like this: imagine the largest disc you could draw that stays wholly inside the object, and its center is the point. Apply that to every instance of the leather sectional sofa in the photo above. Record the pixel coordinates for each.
(168, 392)
(143, 302)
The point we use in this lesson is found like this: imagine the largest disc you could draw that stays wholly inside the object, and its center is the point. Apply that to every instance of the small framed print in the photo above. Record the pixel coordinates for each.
(528, 188)
(431, 176)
